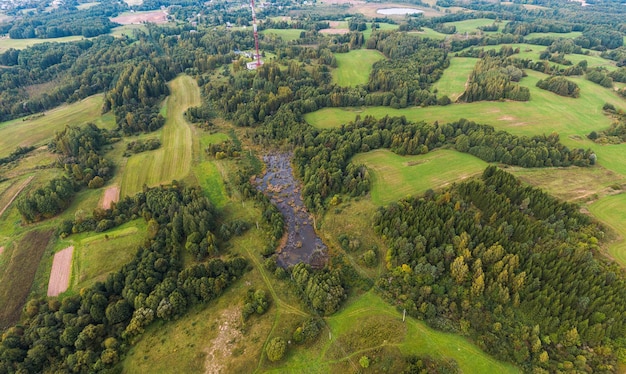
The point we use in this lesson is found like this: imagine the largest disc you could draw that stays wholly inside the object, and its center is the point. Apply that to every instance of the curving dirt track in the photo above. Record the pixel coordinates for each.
(60, 273)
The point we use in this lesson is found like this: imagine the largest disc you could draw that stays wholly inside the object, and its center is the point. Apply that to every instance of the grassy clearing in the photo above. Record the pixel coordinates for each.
(395, 177)
(127, 30)
(381, 26)
(452, 83)
(354, 67)
(173, 159)
(6, 43)
(87, 5)
(572, 118)
(383, 337)
(572, 184)
(38, 131)
(566, 35)
(211, 180)
(471, 25)
(286, 34)
(611, 210)
(95, 256)
(429, 33)
(18, 273)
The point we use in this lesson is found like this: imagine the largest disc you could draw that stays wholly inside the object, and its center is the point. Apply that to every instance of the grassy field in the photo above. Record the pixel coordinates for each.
(395, 177)
(286, 34)
(429, 33)
(546, 112)
(354, 67)
(210, 172)
(566, 35)
(18, 271)
(6, 43)
(452, 83)
(126, 30)
(38, 131)
(173, 159)
(97, 255)
(611, 210)
(87, 5)
(471, 25)
(384, 338)
(381, 26)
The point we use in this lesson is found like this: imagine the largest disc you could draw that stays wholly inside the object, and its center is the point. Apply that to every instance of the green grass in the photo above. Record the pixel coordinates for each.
(6, 43)
(395, 177)
(40, 130)
(211, 180)
(173, 159)
(566, 35)
(611, 210)
(286, 34)
(354, 67)
(379, 327)
(126, 30)
(471, 25)
(452, 83)
(96, 255)
(382, 26)
(87, 5)
(429, 33)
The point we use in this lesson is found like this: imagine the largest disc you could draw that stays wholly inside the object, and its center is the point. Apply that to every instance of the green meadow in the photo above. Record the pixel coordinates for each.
(285, 34)
(565, 35)
(354, 67)
(173, 159)
(395, 177)
(611, 211)
(471, 25)
(453, 81)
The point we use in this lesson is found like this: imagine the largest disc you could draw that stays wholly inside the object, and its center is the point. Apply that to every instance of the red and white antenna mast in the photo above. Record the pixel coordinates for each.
(256, 35)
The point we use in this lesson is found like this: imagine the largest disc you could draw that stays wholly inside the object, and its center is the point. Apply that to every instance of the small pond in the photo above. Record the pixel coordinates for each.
(398, 11)
(301, 243)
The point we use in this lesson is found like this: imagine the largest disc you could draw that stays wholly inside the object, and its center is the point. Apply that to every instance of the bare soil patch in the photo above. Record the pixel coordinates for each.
(111, 195)
(335, 31)
(158, 16)
(60, 273)
(16, 278)
(221, 348)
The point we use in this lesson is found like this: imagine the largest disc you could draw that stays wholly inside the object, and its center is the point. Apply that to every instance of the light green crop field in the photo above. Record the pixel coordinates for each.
(471, 25)
(95, 256)
(611, 210)
(6, 43)
(452, 83)
(384, 338)
(39, 130)
(127, 30)
(395, 177)
(286, 34)
(429, 33)
(545, 113)
(173, 159)
(354, 67)
(566, 35)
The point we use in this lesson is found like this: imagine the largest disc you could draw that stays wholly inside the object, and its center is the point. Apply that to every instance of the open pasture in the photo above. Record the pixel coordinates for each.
(454, 78)
(173, 159)
(395, 177)
(565, 35)
(545, 113)
(471, 25)
(127, 30)
(6, 43)
(37, 131)
(354, 67)
(611, 211)
(381, 26)
(285, 34)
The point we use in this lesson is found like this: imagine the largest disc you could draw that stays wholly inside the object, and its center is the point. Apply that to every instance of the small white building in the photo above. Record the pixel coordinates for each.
(253, 64)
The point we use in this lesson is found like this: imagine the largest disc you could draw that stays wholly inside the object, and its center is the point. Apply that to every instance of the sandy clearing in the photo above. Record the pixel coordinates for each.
(334, 31)
(60, 273)
(26, 182)
(158, 16)
(111, 195)
(221, 347)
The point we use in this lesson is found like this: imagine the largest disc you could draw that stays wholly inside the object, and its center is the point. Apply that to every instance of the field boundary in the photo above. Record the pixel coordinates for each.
(24, 184)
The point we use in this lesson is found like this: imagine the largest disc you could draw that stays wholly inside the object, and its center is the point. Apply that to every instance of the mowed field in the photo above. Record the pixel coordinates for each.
(396, 177)
(173, 159)
(611, 210)
(17, 272)
(452, 83)
(354, 67)
(37, 131)
(471, 25)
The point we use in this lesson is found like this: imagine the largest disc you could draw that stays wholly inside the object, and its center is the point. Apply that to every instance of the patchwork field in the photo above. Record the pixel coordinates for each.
(354, 67)
(37, 131)
(395, 177)
(173, 159)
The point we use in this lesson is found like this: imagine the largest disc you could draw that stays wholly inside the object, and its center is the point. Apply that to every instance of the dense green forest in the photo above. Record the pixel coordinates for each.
(520, 273)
